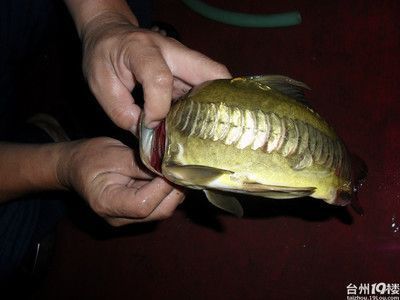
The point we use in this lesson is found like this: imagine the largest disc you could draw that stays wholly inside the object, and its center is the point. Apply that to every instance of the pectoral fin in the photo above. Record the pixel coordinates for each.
(195, 174)
(225, 202)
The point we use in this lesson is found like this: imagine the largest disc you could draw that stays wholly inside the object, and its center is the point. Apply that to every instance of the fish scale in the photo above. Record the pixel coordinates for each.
(256, 129)
(252, 135)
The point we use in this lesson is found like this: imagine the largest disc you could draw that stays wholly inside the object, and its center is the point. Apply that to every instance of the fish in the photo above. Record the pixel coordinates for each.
(254, 135)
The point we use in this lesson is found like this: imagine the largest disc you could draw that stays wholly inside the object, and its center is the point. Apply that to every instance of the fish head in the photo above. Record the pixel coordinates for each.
(358, 172)
(152, 145)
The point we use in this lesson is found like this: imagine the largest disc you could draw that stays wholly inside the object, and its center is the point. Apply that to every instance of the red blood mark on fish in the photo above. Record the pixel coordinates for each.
(158, 147)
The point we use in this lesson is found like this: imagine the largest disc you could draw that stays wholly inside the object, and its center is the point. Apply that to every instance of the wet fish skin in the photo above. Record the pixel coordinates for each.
(250, 135)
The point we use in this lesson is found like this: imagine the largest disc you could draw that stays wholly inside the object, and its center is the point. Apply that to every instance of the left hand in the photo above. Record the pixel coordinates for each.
(105, 173)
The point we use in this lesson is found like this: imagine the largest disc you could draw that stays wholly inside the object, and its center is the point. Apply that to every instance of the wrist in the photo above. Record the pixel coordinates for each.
(67, 154)
(85, 12)
(105, 24)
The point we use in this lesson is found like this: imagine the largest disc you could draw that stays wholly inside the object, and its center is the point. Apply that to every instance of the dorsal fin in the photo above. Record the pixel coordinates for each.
(285, 85)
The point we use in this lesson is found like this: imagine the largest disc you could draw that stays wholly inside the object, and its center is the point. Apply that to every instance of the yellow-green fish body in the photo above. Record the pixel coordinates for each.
(249, 135)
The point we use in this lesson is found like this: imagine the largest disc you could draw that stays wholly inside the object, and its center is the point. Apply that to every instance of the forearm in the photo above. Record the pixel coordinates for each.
(83, 11)
(28, 168)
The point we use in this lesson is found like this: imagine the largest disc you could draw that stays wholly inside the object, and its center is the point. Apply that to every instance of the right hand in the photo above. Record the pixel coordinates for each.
(118, 55)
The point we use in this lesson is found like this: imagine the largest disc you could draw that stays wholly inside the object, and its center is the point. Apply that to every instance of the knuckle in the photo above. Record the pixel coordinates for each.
(99, 208)
(121, 117)
(141, 36)
(91, 73)
(102, 141)
(164, 79)
(221, 69)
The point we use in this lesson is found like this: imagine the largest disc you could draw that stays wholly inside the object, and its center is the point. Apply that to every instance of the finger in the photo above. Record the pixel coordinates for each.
(132, 175)
(180, 88)
(114, 97)
(153, 73)
(137, 203)
(192, 66)
(167, 207)
(163, 211)
(139, 173)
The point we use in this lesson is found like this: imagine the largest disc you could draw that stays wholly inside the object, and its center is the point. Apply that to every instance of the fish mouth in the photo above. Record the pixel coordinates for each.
(152, 146)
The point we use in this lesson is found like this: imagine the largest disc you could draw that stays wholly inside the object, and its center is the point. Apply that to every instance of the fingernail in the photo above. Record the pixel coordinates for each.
(145, 121)
(134, 130)
(152, 124)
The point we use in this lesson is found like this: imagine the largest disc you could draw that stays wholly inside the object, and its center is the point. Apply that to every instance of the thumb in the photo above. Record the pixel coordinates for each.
(192, 66)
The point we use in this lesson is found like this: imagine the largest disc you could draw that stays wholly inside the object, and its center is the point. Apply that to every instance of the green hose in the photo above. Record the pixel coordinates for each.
(242, 19)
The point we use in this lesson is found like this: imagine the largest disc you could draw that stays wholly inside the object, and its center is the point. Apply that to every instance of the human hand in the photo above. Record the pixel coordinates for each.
(104, 172)
(118, 55)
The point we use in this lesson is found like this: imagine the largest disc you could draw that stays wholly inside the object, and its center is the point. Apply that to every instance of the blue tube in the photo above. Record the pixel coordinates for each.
(242, 19)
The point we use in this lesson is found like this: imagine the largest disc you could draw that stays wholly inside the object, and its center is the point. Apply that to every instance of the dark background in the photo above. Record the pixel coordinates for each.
(348, 53)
